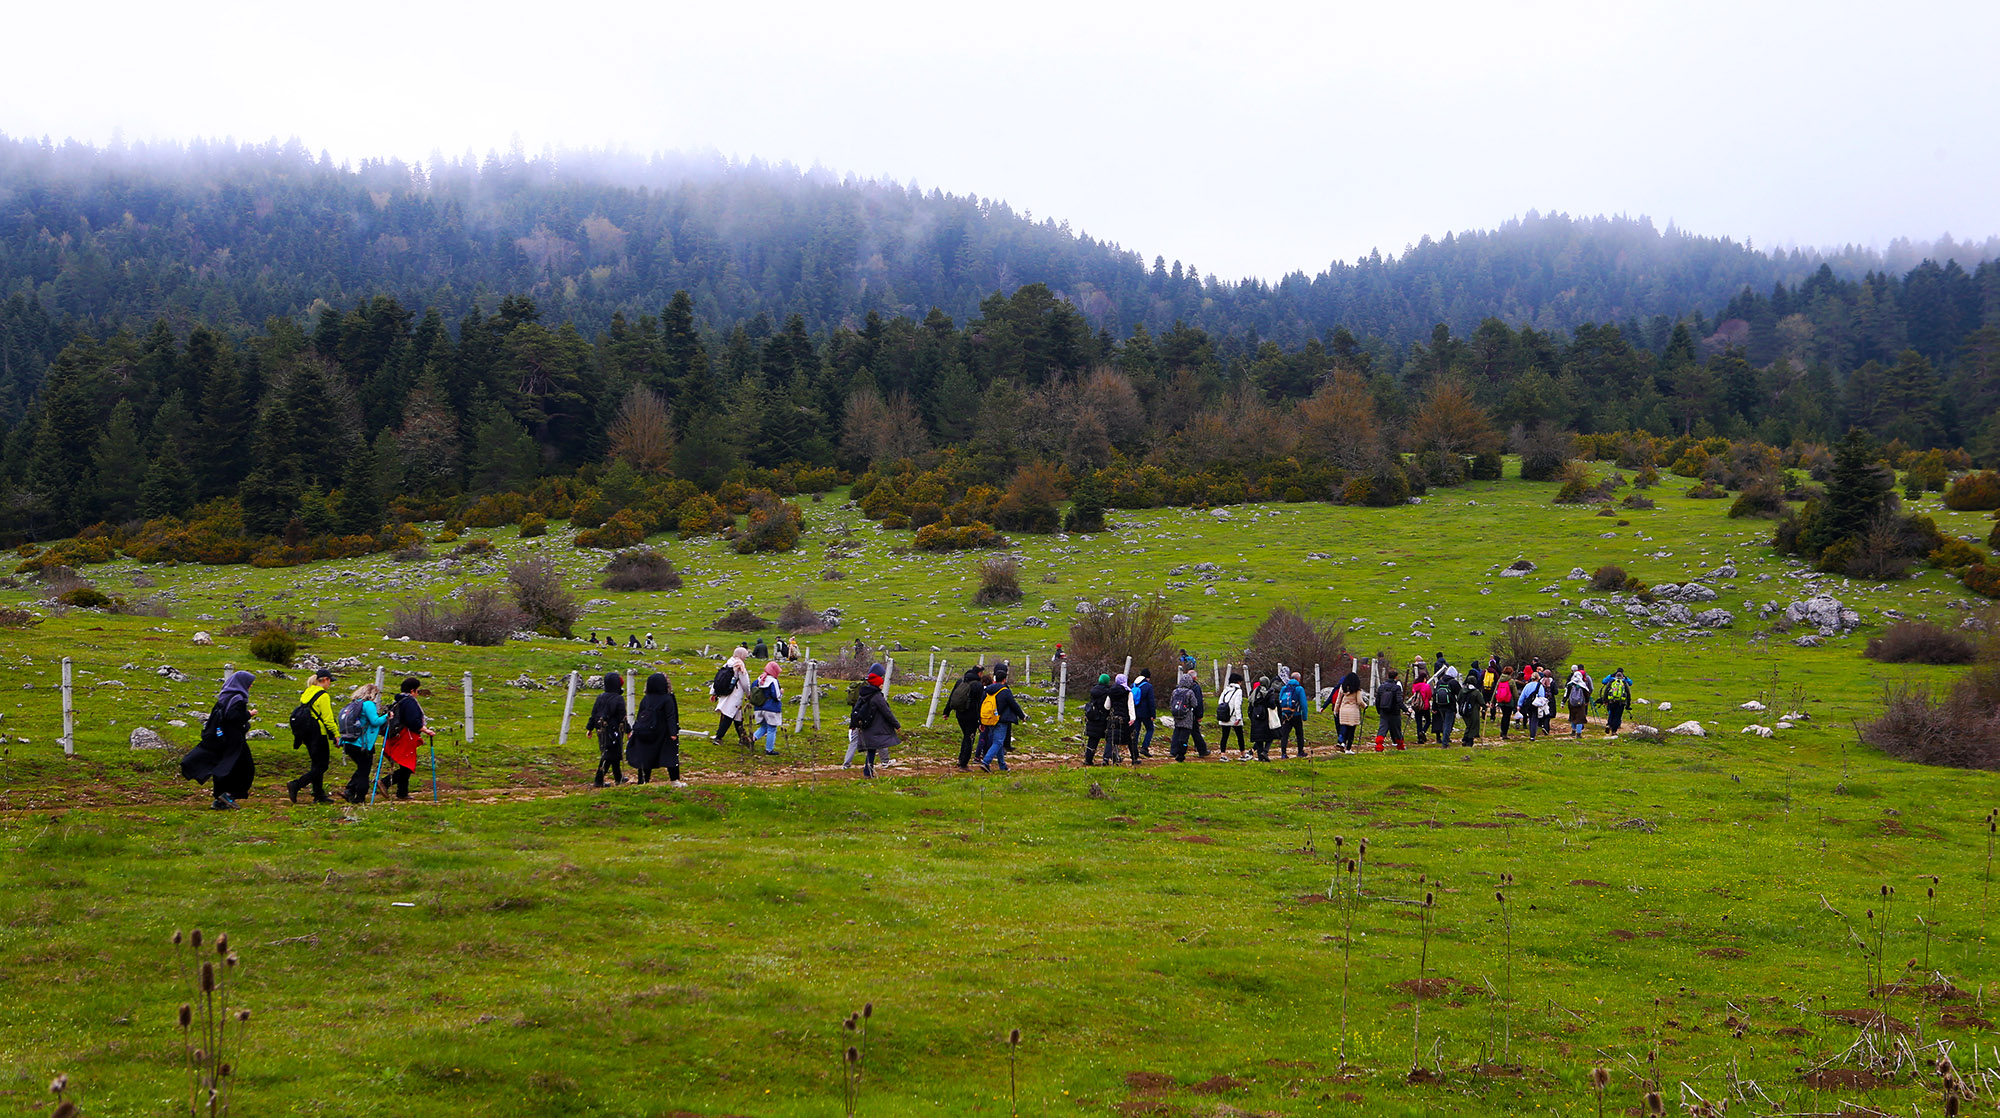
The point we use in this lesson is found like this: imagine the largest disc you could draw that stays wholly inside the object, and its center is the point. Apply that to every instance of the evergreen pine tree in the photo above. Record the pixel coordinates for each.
(168, 489)
(119, 465)
(359, 509)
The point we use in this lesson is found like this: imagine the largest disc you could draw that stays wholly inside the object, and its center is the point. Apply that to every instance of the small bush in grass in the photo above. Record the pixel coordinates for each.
(1974, 492)
(446, 536)
(999, 581)
(471, 548)
(641, 569)
(1762, 497)
(85, 597)
(1961, 729)
(480, 617)
(1983, 579)
(1142, 628)
(152, 605)
(798, 617)
(1485, 467)
(832, 574)
(740, 620)
(1647, 477)
(1298, 638)
(1609, 578)
(1523, 642)
(274, 644)
(622, 530)
(1634, 501)
(534, 524)
(851, 662)
(967, 537)
(415, 553)
(543, 597)
(1543, 449)
(1920, 642)
(18, 619)
(773, 524)
(1708, 491)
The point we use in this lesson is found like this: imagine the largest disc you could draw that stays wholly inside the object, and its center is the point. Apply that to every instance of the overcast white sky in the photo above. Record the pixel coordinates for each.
(1245, 138)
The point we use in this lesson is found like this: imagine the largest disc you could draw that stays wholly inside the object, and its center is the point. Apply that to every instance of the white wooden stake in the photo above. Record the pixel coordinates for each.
(930, 662)
(468, 706)
(805, 689)
(1027, 669)
(227, 671)
(569, 708)
(378, 677)
(632, 695)
(1128, 667)
(1315, 683)
(932, 717)
(815, 679)
(1215, 672)
(888, 672)
(69, 715)
(1062, 691)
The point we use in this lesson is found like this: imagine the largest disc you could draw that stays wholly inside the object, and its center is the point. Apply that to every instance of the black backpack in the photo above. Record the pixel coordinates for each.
(305, 724)
(863, 715)
(724, 684)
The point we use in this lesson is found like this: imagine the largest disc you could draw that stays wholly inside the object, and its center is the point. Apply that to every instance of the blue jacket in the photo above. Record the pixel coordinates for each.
(766, 690)
(372, 720)
(1527, 700)
(1142, 701)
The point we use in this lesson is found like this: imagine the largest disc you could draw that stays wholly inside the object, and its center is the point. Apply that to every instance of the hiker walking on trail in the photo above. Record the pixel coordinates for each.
(1346, 704)
(1617, 695)
(1576, 696)
(1118, 736)
(223, 757)
(607, 721)
(1145, 712)
(1185, 707)
(1097, 719)
(1293, 704)
(315, 728)
(731, 689)
(1446, 689)
(1263, 711)
(964, 703)
(770, 706)
(1546, 709)
(873, 723)
(999, 713)
(1503, 699)
(1533, 701)
(656, 733)
(408, 715)
(1471, 704)
(361, 724)
(1420, 700)
(1229, 716)
(1389, 700)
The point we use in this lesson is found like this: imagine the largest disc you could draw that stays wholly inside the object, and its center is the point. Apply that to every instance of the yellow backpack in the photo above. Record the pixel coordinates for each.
(989, 709)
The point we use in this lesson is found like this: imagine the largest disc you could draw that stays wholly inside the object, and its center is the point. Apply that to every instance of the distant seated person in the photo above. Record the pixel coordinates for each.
(631, 640)
(650, 642)
(762, 651)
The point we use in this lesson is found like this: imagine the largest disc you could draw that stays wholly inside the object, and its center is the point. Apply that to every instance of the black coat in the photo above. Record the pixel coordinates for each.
(224, 753)
(1097, 712)
(880, 733)
(656, 733)
(607, 720)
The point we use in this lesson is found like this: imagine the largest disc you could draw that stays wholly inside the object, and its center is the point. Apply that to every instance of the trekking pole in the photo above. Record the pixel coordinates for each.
(375, 781)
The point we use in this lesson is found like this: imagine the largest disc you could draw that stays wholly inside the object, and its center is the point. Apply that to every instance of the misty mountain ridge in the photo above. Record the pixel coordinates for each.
(234, 234)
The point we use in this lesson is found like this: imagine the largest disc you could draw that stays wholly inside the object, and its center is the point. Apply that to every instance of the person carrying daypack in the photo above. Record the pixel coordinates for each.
(1420, 699)
(1576, 696)
(1617, 695)
(1263, 716)
(964, 703)
(769, 706)
(223, 755)
(1388, 712)
(1347, 713)
(1445, 690)
(873, 722)
(656, 733)
(1533, 701)
(1118, 732)
(315, 728)
(1096, 718)
(1471, 703)
(1145, 712)
(999, 713)
(1229, 715)
(1293, 704)
(730, 689)
(1503, 700)
(362, 722)
(607, 720)
(1185, 707)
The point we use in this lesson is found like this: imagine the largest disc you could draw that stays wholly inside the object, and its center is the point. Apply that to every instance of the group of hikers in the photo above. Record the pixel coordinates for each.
(368, 731)
(1437, 699)
(1120, 714)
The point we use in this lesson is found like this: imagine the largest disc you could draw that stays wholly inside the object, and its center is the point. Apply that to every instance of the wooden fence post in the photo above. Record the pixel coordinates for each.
(378, 677)
(569, 708)
(1062, 692)
(468, 706)
(69, 713)
(935, 686)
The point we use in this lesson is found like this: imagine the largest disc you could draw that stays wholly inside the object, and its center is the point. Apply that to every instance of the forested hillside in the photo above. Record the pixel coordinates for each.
(326, 351)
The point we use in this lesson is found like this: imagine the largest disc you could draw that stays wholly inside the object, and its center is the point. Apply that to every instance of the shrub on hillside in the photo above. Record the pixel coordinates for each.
(1142, 628)
(415, 553)
(740, 620)
(1634, 501)
(798, 618)
(1543, 449)
(1952, 555)
(1298, 638)
(274, 644)
(18, 619)
(479, 617)
(1763, 496)
(1920, 642)
(85, 597)
(999, 581)
(534, 524)
(1609, 579)
(621, 530)
(1974, 492)
(473, 548)
(944, 536)
(1960, 729)
(641, 569)
(1708, 491)
(1983, 579)
(1523, 642)
(543, 597)
(773, 524)
(1484, 467)
(852, 661)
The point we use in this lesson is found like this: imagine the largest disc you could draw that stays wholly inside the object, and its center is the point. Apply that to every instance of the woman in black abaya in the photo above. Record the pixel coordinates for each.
(224, 753)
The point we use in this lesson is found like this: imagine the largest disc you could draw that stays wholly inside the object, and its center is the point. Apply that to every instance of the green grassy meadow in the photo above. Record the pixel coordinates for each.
(1161, 937)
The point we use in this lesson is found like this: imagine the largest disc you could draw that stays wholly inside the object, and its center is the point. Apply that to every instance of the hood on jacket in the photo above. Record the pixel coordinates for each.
(657, 684)
(614, 684)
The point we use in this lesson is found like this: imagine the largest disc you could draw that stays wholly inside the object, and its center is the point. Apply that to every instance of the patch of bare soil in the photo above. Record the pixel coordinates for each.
(1428, 987)
(1591, 883)
(1842, 1079)
(1216, 1085)
(1622, 934)
(1150, 1082)
(1869, 1019)
(1312, 898)
(1199, 840)
(1963, 1021)
(1419, 1076)
(1791, 1030)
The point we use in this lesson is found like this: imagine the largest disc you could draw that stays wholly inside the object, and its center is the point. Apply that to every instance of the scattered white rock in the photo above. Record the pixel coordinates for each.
(171, 674)
(1688, 729)
(1783, 725)
(1751, 705)
(1760, 731)
(1577, 574)
(1825, 613)
(143, 738)
(258, 735)
(203, 639)
(1715, 619)
(1666, 706)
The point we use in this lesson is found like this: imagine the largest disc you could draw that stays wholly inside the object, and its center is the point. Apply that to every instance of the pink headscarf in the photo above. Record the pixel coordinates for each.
(773, 668)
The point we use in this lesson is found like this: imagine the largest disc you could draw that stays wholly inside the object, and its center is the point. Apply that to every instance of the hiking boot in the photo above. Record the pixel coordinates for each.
(223, 802)
(322, 798)
(292, 790)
